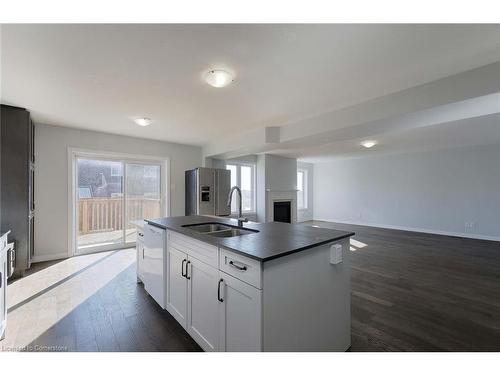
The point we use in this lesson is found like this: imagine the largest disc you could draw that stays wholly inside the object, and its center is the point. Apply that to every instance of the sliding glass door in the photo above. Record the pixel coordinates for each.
(109, 195)
(143, 195)
(100, 203)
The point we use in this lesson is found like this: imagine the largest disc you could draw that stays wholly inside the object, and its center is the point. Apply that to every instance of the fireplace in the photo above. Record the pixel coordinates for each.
(282, 211)
(281, 205)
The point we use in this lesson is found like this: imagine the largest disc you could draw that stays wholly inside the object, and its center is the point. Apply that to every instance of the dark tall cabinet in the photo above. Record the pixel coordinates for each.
(17, 159)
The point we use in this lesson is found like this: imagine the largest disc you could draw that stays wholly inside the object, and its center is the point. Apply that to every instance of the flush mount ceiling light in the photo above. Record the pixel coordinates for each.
(368, 144)
(143, 121)
(218, 78)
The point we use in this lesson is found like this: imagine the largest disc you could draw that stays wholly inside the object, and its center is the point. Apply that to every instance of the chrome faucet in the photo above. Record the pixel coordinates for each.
(241, 219)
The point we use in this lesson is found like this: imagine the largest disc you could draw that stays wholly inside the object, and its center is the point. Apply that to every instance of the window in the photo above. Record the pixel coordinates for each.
(116, 170)
(151, 171)
(301, 189)
(243, 175)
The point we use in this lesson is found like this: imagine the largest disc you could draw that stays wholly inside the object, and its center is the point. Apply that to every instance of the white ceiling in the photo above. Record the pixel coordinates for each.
(102, 76)
(469, 132)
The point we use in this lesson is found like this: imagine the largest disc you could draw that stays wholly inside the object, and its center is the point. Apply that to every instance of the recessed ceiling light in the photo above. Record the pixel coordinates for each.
(218, 78)
(143, 121)
(368, 144)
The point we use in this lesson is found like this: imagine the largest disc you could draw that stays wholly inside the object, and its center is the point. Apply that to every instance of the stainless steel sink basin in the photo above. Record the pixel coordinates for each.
(207, 228)
(231, 232)
(219, 229)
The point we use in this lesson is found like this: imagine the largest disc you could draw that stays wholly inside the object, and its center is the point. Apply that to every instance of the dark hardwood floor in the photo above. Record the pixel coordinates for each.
(121, 316)
(410, 292)
(423, 292)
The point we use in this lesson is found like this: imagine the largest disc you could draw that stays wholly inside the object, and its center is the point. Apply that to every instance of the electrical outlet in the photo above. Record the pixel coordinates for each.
(472, 226)
(335, 254)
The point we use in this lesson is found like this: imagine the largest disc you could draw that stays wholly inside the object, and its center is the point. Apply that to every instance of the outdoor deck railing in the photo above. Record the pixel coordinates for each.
(106, 214)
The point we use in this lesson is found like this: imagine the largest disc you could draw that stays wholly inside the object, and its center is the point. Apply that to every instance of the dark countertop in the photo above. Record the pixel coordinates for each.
(274, 239)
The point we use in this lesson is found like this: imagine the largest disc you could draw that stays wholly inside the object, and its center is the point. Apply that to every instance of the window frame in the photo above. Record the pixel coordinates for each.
(305, 177)
(75, 153)
(253, 183)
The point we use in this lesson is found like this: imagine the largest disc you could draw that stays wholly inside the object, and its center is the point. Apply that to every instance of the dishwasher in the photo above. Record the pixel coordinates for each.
(154, 271)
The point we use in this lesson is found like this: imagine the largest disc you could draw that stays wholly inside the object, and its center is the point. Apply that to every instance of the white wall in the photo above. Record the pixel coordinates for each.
(275, 173)
(433, 191)
(281, 173)
(51, 177)
(307, 213)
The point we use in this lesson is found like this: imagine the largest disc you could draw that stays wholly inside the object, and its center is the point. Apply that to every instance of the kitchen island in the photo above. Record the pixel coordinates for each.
(260, 287)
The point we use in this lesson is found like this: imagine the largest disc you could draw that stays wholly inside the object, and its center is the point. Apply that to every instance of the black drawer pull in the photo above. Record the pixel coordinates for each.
(231, 263)
(218, 291)
(140, 234)
(187, 264)
(182, 268)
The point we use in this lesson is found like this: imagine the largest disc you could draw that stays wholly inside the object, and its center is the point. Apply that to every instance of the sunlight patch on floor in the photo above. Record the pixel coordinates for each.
(358, 244)
(31, 319)
(27, 286)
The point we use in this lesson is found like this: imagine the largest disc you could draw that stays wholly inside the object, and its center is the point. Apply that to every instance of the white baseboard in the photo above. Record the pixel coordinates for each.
(47, 257)
(410, 229)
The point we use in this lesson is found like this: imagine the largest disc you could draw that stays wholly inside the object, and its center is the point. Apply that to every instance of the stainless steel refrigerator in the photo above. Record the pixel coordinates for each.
(207, 190)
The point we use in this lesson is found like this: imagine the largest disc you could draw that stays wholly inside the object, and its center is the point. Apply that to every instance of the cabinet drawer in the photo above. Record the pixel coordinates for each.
(197, 249)
(241, 267)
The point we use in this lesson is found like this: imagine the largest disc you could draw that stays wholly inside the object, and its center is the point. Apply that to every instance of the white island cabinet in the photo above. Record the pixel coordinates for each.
(228, 301)
(240, 316)
(192, 288)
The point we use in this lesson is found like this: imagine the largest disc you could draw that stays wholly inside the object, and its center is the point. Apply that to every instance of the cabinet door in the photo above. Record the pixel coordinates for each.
(203, 305)
(240, 316)
(177, 285)
(140, 260)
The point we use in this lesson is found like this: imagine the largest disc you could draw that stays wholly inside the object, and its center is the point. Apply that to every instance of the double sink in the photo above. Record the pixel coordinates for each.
(219, 229)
